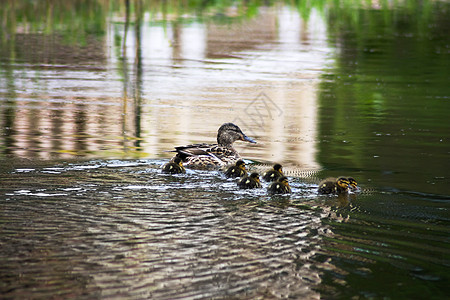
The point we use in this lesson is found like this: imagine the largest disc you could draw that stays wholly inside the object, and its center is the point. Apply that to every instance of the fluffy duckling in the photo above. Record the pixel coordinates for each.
(273, 174)
(353, 185)
(281, 186)
(175, 166)
(250, 182)
(334, 186)
(237, 170)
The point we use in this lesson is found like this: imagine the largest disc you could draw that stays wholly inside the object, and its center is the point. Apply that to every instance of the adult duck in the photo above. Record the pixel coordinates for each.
(214, 156)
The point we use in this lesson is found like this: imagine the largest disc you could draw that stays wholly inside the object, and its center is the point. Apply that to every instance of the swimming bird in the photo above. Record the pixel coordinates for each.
(250, 182)
(175, 166)
(213, 156)
(273, 174)
(334, 186)
(238, 170)
(281, 186)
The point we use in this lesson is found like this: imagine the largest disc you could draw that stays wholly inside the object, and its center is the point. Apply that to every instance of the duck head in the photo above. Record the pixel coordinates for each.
(229, 133)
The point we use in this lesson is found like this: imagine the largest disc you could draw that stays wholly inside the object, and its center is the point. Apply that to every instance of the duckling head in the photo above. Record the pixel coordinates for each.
(342, 183)
(284, 180)
(241, 164)
(352, 182)
(255, 176)
(178, 161)
(228, 133)
(278, 167)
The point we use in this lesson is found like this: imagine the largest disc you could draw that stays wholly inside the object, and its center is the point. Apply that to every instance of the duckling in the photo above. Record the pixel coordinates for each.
(214, 156)
(237, 170)
(353, 185)
(333, 186)
(250, 182)
(175, 166)
(342, 184)
(281, 186)
(273, 174)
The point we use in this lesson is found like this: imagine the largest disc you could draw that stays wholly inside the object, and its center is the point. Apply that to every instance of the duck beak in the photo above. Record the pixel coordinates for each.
(246, 138)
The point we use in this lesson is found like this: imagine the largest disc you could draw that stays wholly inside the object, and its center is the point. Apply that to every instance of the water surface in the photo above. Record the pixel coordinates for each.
(90, 102)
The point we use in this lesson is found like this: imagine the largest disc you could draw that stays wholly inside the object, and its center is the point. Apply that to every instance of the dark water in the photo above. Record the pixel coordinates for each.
(91, 99)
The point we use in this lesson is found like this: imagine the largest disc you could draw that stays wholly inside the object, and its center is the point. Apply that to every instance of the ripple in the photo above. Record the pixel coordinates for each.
(172, 236)
(127, 230)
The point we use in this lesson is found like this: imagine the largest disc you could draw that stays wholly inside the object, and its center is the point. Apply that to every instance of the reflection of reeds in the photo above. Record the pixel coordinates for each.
(175, 117)
(75, 20)
(66, 127)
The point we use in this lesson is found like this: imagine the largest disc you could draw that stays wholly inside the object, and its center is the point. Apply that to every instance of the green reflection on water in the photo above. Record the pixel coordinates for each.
(75, 19)
(384, 102)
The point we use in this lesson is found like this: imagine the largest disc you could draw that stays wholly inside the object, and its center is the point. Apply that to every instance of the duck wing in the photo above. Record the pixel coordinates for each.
(209, 155)
(193, 150)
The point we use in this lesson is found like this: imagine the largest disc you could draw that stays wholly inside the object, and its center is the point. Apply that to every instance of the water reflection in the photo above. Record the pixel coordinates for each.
(382, 105)
(161, 85)
(230, 90)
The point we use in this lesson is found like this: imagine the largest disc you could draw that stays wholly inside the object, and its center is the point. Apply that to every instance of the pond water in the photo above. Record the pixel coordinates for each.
(94, 93)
